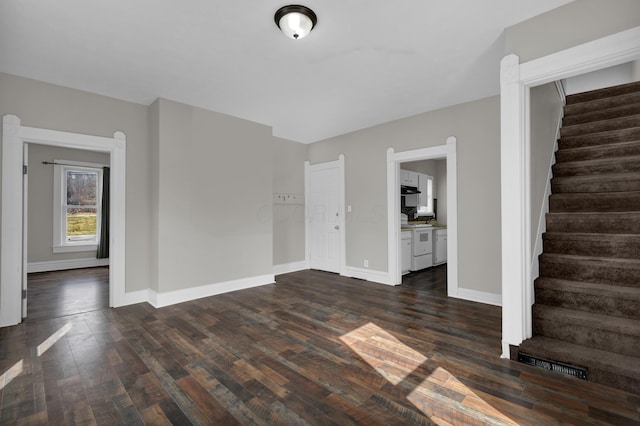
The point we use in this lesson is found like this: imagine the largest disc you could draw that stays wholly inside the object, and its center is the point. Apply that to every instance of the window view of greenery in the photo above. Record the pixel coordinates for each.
(81, 205)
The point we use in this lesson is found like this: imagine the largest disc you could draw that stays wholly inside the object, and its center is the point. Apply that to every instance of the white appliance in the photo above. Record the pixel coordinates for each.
(439, 246)
(407, 253)
(422, 247)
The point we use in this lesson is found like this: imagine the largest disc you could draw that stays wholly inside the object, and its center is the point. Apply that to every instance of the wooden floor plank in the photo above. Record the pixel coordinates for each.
(315, 348)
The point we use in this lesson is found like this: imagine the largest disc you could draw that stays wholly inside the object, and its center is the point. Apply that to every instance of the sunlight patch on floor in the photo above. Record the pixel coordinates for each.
(423, 398)
(391, 358)
(51, 340)
(10, 374)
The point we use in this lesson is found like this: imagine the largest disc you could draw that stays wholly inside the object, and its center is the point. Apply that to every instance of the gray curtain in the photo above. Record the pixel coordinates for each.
(103, 244)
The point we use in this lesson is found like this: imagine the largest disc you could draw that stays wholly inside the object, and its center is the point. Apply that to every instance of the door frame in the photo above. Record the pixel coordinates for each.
(308, 168)
(447, 152)
(516, 81)
(14, 136)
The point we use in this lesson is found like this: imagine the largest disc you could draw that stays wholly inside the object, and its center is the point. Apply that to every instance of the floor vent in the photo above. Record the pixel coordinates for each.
(558, 367)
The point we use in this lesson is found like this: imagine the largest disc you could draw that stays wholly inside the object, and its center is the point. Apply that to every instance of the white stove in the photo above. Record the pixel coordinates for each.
(422, 246)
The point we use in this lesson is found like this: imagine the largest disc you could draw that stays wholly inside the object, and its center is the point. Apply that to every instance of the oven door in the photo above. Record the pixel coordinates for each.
(422, 243)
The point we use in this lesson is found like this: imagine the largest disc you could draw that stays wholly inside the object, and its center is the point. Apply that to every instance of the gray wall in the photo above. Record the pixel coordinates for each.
(477, 128)
(40, 210)
(214, 197)
(53, 107)
(546, 109)
(570, 25)
(288, 219)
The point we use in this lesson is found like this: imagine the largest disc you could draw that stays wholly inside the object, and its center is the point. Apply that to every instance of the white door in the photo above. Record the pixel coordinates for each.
(324, 216)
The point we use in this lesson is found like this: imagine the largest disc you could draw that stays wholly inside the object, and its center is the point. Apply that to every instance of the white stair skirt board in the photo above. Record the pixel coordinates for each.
(159, 300)
(61, 265)
(285, 268)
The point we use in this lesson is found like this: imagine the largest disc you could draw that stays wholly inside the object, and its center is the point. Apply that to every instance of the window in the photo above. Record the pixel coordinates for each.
(425, 200)
(77, 202)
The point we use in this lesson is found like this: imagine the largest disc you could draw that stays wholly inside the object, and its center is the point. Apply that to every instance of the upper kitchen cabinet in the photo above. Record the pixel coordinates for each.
(408, 178)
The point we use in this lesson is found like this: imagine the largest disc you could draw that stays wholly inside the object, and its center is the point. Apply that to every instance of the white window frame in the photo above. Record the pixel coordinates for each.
(428, 209)
(61, 244)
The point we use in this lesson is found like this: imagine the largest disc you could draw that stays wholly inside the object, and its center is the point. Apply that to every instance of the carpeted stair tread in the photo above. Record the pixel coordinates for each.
(595, 202)
(628, 164)
(618, 301)
(603, 270)
(613, 182)
(615, 334)
(601, 114)
(606, 92)
(593, 222)
(600, 138)
(612, 150)
(607, 368)
(586, 244)
(614, 124)
(601, 103)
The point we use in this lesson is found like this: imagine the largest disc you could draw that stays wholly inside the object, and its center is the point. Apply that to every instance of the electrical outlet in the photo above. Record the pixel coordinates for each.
(366, 263)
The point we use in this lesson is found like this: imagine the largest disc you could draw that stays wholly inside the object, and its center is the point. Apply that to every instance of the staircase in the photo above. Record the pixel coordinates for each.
(587, 297)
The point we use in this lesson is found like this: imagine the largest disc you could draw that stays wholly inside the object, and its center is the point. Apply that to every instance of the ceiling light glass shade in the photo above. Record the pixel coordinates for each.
(295, 21)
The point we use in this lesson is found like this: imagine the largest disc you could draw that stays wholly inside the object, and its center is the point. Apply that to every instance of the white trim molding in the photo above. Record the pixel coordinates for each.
(479, 296)
(61, 265)
(285, 268)
(14, 136)
(159, 300)
(379, 277)
(516, 81)
(447, 151)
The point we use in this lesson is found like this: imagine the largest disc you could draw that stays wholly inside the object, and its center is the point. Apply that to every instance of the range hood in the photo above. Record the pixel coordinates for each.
(408, 190)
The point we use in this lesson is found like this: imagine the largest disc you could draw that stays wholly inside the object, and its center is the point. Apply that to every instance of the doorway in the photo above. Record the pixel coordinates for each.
(63, 216)
(324, 205)
(394, 160)
(12, 240)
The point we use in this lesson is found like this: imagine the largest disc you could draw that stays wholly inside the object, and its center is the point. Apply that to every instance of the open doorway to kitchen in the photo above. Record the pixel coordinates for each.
(447, 153)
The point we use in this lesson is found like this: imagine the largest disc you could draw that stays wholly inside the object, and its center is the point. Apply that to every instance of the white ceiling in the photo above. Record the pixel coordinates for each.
(365, 63)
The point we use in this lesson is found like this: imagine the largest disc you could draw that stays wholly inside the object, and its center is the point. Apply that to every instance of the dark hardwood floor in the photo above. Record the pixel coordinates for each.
(59, 293)
(315, 348)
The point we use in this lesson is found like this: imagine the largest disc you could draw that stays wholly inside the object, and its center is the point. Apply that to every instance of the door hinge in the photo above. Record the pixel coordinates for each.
(24, 294)
(24, 170)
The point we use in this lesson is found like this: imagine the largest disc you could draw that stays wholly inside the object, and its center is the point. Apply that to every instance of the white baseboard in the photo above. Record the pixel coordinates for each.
(159, 300)
(368, 274)
(286, 268)
(60, 265)
(133, 297)
(479, 296)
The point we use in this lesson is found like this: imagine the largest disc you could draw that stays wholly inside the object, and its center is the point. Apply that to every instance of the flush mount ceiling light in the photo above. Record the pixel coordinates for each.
(295, 21)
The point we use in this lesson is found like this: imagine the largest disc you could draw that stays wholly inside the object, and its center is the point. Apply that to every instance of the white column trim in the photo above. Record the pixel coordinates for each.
(515, 82)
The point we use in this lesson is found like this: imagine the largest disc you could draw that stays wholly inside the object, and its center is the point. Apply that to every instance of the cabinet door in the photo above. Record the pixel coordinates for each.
(441, 247)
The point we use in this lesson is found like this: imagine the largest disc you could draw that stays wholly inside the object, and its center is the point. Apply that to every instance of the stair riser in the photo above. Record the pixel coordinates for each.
(591, 272)
(607, 378)
(607, 224)
(598, 152)
(596, 167)
(624, 135)
(594, 115)
(616, 202)
(587, 336)
(569, 185)
(601, 104)
(601, 126)
(597, 303)
(613, 249)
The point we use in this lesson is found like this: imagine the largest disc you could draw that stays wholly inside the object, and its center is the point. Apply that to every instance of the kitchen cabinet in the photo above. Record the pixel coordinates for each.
(408, 178)
(425, 186)
(439, 246)
(406, 251)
